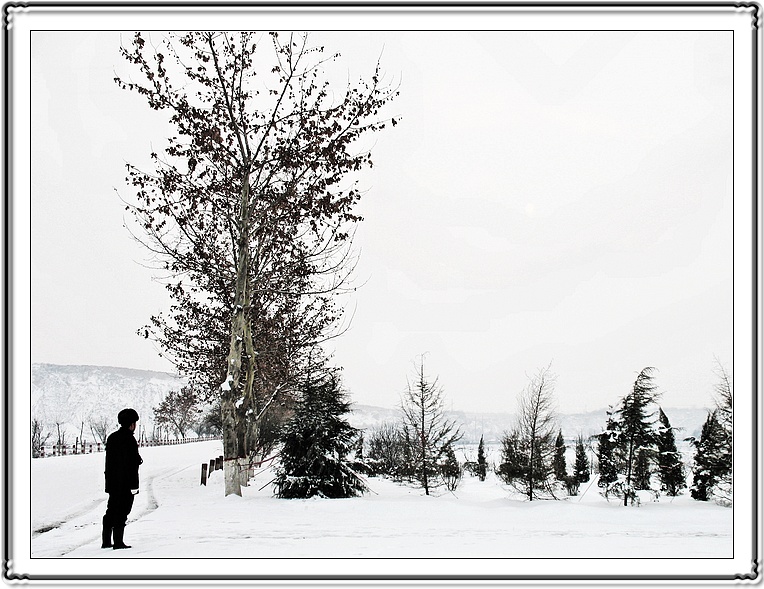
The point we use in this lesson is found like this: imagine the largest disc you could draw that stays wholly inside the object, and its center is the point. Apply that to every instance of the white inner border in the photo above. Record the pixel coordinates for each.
(747, 430)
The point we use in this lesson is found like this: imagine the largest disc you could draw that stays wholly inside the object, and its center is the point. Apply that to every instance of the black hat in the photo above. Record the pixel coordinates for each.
(127, 416)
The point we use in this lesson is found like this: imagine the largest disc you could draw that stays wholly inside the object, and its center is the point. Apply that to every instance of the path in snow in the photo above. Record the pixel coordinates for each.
(68, 500)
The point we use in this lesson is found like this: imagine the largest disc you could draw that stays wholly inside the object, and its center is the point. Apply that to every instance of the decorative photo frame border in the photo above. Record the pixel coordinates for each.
(743, 18)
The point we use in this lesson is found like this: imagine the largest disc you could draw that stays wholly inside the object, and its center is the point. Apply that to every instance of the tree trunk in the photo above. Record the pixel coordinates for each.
(425, 482)
(628, 474)
(249, 427)
(230, 450)
(530, 469)
(232, 390)
(534, 422)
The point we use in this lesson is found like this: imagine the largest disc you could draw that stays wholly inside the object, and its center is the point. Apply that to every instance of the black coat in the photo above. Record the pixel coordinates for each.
(122, 461)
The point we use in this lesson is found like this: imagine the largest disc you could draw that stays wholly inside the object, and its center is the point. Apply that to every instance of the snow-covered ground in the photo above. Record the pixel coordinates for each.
(174, 516)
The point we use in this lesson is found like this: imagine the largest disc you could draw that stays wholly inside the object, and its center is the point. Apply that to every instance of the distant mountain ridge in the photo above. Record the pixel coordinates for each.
(492, 426)
(72, 395)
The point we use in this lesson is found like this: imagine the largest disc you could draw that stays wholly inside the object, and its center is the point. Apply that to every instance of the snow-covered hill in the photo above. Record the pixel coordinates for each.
(73, 395)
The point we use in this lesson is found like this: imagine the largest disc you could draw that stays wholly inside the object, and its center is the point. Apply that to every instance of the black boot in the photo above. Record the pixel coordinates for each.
(106, 535)
(119, 536)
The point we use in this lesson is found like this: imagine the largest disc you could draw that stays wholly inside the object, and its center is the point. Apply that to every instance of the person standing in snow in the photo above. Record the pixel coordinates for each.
(122, 462)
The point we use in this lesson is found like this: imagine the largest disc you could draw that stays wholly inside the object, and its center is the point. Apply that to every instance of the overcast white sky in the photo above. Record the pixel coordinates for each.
(559, 197)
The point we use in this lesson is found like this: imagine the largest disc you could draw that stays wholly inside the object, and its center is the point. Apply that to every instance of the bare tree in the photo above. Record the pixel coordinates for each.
(81, 417)
(249, 209)
(428, 433)
(179, 409)
(722, 490)
(723, 396)
(388, 451)
(39, 437)
(60, 424)
(536, 425)
(100, 427)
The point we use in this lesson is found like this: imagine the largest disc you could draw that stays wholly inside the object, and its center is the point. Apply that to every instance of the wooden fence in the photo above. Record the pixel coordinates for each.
(90, 448)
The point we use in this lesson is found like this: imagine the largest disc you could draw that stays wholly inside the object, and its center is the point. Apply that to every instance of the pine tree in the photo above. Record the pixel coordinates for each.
(637, 439)
(451, 471)
(558, 464)
(642, 470)
(581, 469)
(512, 467)
(606, 455)
(722, 489)
(711, 463)
(670, 466)
(481, 462)
(317, 445)
(427, 431)
(712, 473)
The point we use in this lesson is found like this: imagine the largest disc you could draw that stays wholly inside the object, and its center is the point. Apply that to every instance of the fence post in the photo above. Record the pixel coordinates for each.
(204, 473)
(212, 465)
